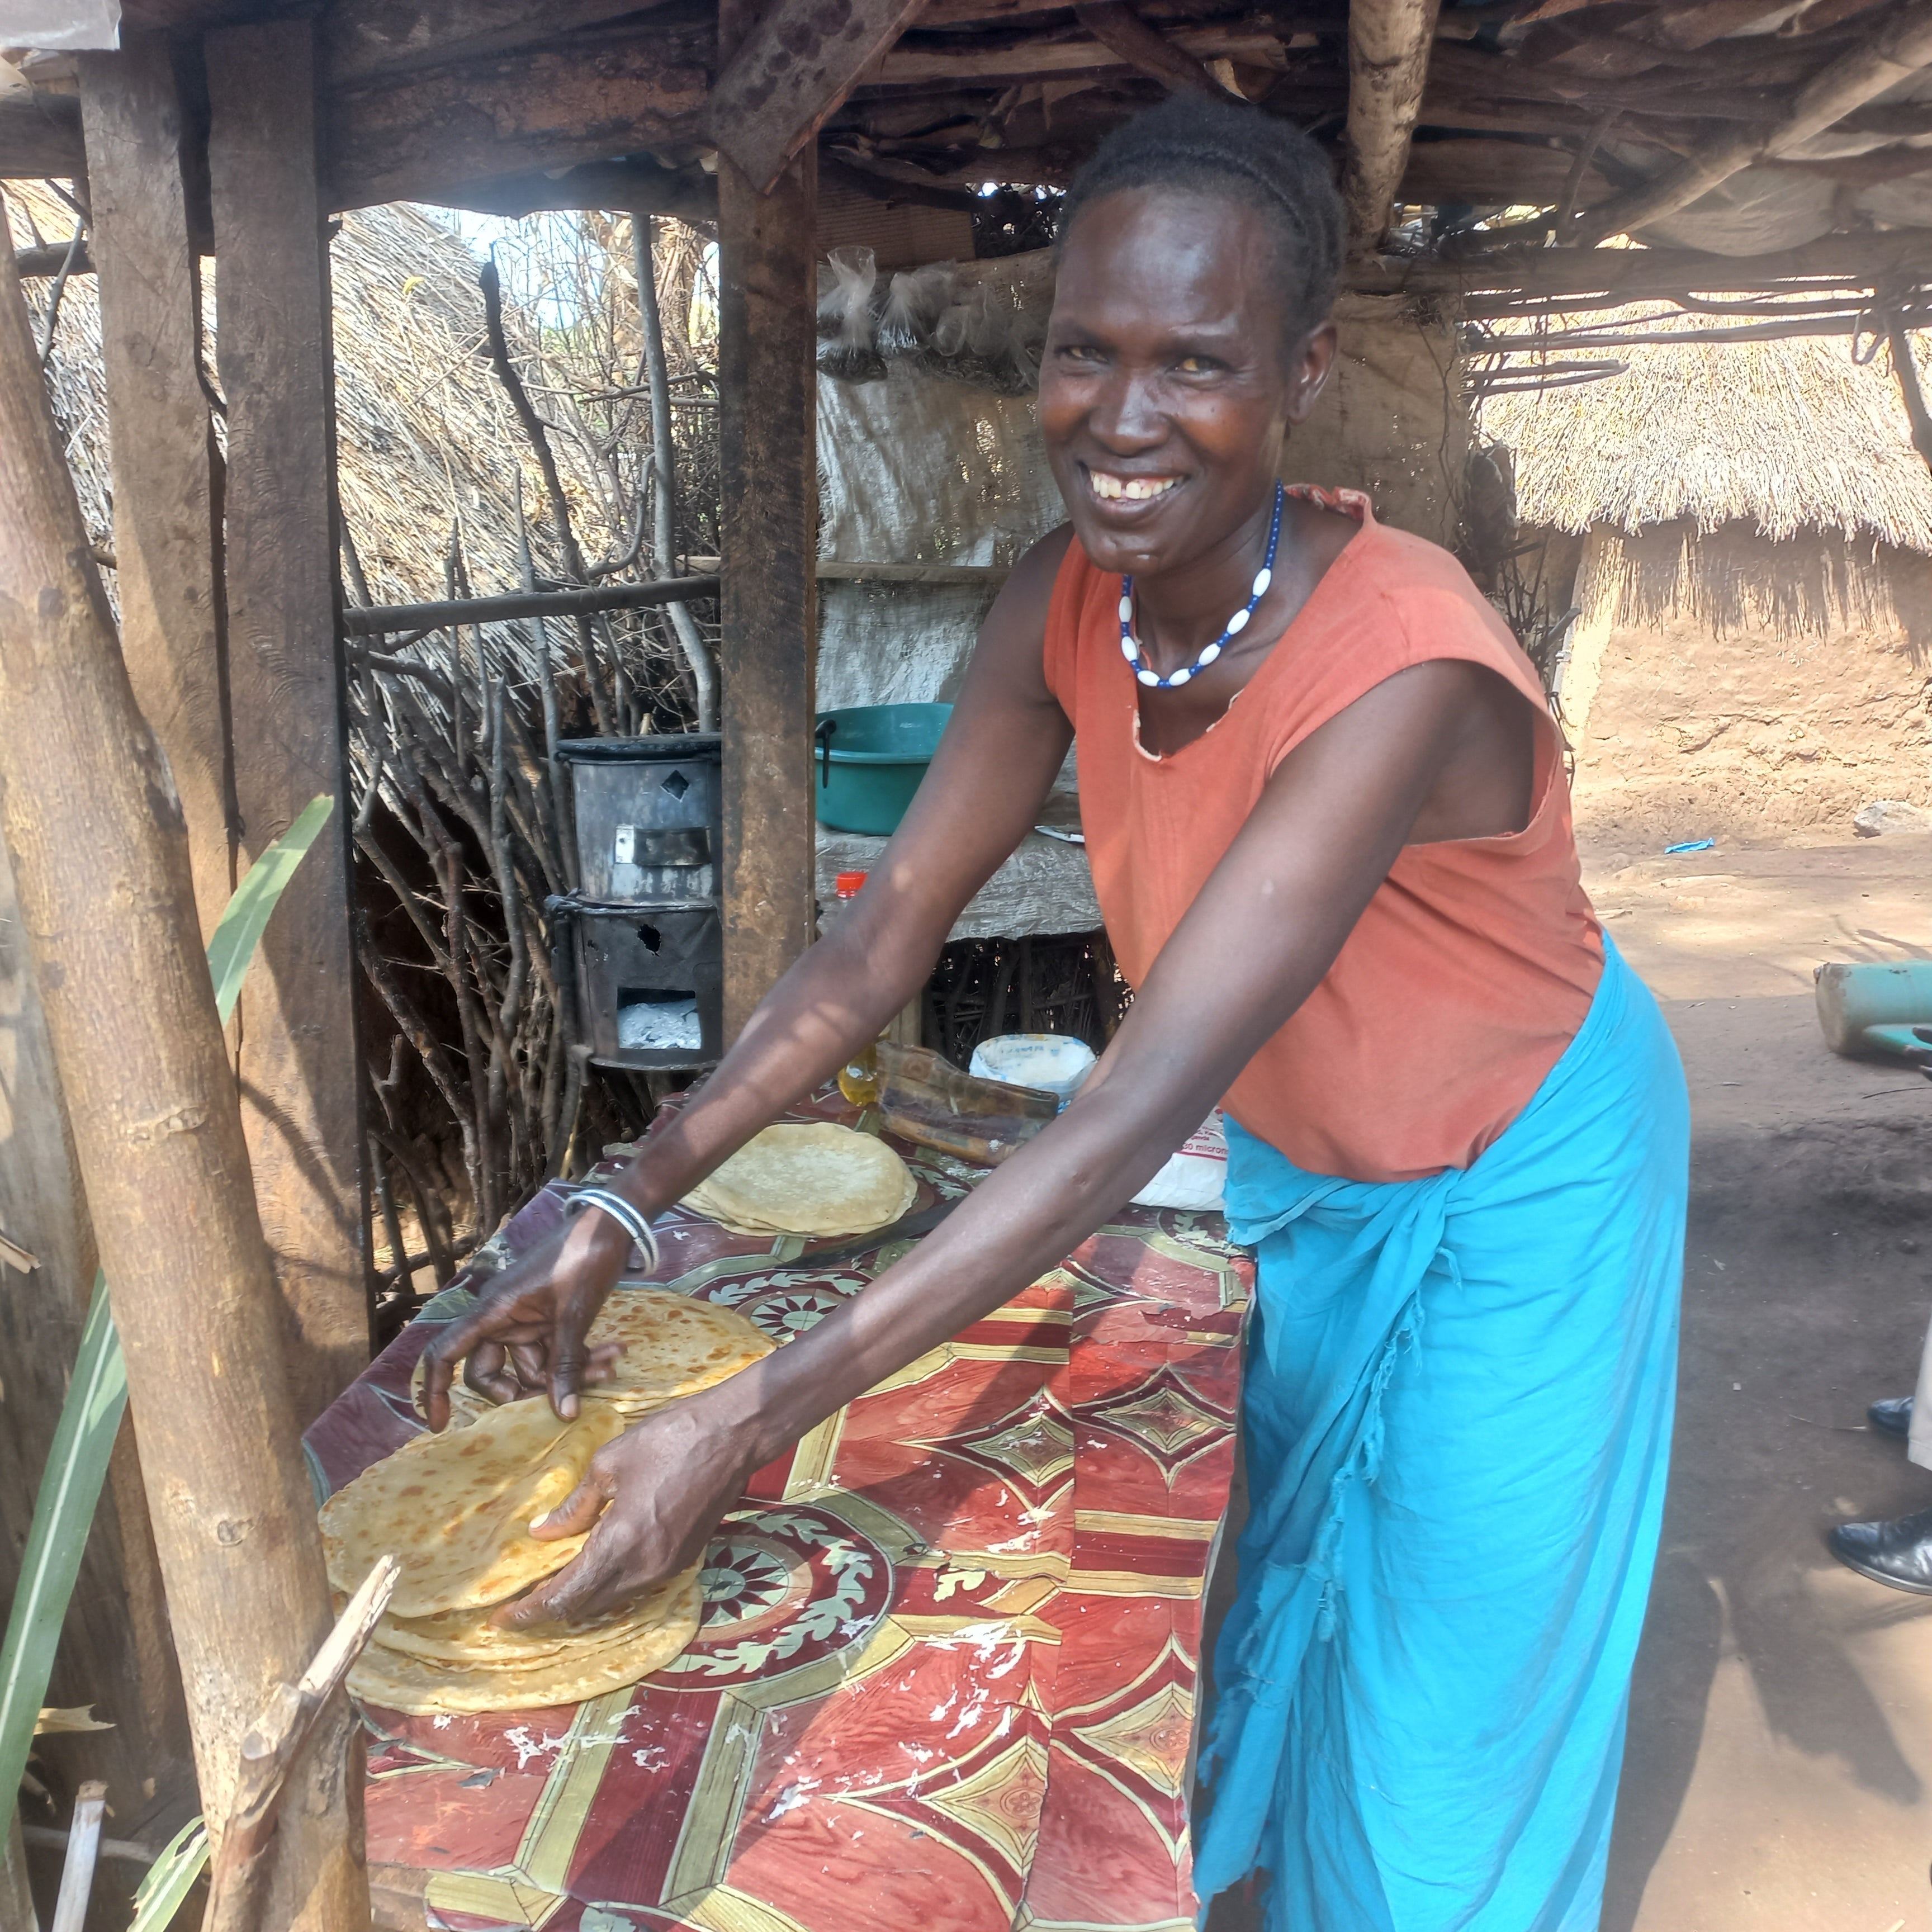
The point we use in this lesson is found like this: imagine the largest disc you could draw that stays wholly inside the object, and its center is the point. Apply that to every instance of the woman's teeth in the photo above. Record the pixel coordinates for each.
(1129, 489)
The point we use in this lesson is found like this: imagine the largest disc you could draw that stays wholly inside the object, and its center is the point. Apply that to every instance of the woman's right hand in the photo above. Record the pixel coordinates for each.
(525, 1335)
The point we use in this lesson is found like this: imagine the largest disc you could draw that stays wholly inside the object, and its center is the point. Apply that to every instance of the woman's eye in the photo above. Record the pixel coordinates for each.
(1197, 365)
(1078, 351)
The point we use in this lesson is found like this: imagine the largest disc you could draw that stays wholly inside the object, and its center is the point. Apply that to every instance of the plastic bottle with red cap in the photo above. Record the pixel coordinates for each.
(858, 1077)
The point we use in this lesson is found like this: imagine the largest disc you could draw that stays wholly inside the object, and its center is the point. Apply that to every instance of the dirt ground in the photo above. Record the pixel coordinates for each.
(1779, 1773)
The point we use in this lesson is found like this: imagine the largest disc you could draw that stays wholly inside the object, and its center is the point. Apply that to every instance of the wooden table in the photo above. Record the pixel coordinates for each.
(946, 1677)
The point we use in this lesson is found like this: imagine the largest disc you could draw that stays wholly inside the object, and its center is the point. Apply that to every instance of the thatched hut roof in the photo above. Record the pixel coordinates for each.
(424, 434)
(1789, 434)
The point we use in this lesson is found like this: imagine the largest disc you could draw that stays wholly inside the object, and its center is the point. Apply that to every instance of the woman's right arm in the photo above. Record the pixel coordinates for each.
(997, 762)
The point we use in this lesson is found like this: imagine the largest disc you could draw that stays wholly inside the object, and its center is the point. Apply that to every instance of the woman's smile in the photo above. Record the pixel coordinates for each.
(1126, 497)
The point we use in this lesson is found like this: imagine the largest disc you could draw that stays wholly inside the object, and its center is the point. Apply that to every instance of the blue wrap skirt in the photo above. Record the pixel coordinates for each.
(1456, 1419)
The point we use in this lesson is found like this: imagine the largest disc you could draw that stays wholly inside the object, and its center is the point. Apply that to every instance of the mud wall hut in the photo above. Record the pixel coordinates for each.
(1750, 529)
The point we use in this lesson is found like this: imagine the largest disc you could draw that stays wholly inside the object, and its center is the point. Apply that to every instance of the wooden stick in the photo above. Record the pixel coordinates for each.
(236, 1900)
(380, 619)
(1115, 25)
(1906, 368)
(152, 1101)
(664, 472)
(83, 1850)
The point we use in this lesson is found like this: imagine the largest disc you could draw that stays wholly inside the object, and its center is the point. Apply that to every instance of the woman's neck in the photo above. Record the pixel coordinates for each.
(1179, 612)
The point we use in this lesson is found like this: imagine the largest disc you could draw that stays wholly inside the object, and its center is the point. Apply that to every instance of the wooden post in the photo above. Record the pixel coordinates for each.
(164, 519)
(115, 1651)
(297, 1057)
(100, 859)
(767, 337)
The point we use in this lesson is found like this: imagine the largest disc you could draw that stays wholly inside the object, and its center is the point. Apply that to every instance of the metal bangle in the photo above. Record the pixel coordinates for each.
(627, 1215)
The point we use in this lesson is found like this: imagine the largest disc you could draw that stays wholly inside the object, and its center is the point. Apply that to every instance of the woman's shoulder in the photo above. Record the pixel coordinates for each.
(1422, 599)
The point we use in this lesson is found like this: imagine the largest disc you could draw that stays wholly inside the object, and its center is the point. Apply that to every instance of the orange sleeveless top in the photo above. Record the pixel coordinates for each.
(1472, 966)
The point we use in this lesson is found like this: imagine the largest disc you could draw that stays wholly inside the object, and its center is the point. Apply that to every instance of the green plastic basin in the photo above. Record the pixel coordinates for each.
(866, 766)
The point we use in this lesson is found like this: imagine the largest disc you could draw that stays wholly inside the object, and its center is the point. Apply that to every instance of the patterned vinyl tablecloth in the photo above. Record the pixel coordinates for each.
(945, 1679)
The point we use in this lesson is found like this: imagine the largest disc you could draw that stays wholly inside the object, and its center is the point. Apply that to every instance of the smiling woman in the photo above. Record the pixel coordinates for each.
(1330, 829)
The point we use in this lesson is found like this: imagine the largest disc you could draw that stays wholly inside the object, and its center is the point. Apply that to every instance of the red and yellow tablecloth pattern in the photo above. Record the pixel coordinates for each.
(947, 1676)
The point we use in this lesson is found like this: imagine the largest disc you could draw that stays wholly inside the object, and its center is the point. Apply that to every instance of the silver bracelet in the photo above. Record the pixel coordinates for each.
(627, 1215)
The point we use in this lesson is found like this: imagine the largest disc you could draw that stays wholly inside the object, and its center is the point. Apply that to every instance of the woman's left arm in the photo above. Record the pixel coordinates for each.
(1257, 940)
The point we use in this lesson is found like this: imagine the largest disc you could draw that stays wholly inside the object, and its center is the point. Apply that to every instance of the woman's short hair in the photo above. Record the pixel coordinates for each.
(1196, 142)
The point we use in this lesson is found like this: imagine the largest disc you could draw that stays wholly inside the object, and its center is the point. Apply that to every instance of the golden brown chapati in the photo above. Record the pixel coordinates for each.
(461, 1663)
(672, 1346)
(818, 1180)
(456, 1507)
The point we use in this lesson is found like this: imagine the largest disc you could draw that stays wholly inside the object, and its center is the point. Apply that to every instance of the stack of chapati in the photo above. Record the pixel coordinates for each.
(456, 1507)
(818, 1181)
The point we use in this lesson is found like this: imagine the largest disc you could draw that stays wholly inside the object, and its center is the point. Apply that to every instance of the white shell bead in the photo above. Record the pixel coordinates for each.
(1238, 622)
(1126, 610)
(1180, 676)
(1207, 657)
(1146, 677)
(1127, 649)
(1262, 580)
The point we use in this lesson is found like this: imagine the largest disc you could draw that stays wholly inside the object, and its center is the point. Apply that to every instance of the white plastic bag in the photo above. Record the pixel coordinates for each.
(1196, 1175)
(847, 280)
(913, 303)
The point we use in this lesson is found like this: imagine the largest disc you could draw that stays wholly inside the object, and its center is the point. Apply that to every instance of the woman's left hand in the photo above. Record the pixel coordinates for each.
(655, 1495)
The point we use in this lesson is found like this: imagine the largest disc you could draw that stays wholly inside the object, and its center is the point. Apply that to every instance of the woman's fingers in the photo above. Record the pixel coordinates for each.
(578, 1511)
(527, 1360)
(567, 1361)
(600, 1363)
(487, 1372)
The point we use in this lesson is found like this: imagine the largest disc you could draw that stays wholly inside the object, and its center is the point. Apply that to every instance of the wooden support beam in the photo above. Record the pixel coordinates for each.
(638, 187)
(100, 863)
(298, 1061)
(1114, 24)
(1901, 49)
(162, 450)
(767, 335)
(1628, 274)
(362, 40)
(469, 120)
(39, 134)
(1389, 46)
(793, 69)
(980, 63)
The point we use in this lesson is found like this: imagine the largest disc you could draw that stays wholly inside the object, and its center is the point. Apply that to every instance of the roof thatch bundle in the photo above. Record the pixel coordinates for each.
(1788, 435)
(425, 435)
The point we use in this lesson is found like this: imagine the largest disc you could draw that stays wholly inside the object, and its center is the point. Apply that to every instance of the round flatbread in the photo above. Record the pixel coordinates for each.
(672, 1346)
(460, 1664)
(456, 1507)
(817, 1180)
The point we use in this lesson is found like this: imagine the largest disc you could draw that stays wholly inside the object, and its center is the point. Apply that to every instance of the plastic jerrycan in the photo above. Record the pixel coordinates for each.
(1872, 1006)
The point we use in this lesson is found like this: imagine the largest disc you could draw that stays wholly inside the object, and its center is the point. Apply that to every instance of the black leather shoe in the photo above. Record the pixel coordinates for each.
(1899, 1552)
(1893, 1416)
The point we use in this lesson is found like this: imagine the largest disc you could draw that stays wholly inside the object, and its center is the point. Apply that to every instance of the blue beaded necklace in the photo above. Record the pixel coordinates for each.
(1130, 647)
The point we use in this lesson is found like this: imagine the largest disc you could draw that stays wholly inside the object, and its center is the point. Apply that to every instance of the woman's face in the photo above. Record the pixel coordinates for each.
(1165, 391)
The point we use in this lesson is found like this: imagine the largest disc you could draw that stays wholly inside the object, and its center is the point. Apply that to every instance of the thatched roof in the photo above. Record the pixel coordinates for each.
(1788, 435)
(424, 434)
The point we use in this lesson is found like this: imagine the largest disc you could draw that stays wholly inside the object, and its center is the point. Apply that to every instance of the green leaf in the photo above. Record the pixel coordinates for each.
(170, 1879)
(245, 917)
(69, 1488)
(91, 1415)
